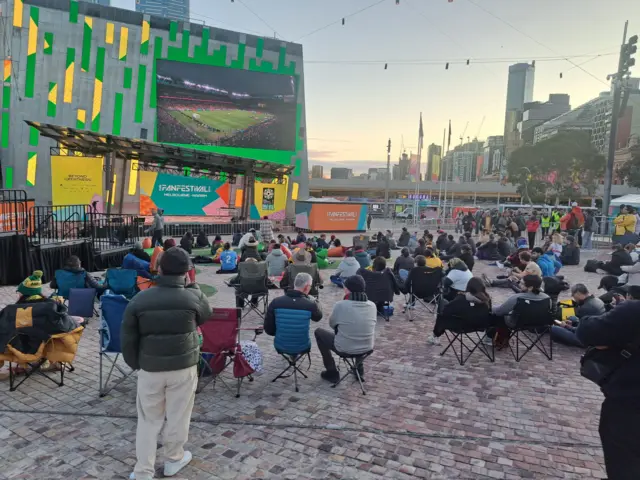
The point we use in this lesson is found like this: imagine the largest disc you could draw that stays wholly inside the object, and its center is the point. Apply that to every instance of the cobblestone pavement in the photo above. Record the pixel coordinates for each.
(424, 416)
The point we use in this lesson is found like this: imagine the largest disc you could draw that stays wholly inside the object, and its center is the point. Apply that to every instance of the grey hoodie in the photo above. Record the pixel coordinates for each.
(348, 267)
(276, 263)
(355, 325)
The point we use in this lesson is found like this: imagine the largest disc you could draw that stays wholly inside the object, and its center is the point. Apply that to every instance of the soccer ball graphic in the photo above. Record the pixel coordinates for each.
(268, 194)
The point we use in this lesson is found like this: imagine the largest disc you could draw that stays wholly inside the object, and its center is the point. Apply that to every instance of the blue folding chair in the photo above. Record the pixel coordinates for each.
(82, 301)
(67, 280)
(122, 281)
(112, 307)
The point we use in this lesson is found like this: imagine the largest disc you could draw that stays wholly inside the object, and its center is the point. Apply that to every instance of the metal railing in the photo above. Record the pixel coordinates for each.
(55, 224)
(179, 229)
(14, 211)
(114, 231)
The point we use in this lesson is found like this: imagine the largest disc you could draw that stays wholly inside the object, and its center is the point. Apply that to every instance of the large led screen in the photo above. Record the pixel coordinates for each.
(218, 106)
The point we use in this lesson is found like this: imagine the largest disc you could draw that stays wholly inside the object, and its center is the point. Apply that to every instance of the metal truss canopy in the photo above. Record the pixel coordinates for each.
(157, 155)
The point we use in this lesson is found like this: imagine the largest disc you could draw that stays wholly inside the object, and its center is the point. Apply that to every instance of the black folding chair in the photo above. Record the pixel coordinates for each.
(312, 270)
(253, 290)
(467, 344)
(425, 290)
(533, 319)
(353, 363)
(293, 359)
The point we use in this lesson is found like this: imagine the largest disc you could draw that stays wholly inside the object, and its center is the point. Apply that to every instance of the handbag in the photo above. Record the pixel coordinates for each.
(241, 367)
(599, 365)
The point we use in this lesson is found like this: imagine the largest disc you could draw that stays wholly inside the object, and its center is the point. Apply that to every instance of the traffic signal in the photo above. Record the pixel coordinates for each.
(628, 50)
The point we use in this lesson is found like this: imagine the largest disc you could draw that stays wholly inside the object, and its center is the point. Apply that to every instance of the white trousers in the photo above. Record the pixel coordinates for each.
(160, 395)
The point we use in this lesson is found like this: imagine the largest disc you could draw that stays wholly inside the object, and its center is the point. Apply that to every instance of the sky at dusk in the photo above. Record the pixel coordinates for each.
(353, 108)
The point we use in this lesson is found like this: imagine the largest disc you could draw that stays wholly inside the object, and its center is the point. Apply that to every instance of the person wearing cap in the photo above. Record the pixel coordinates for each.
(616, 336)
(160, 339)
(570, 252)
(245, 239)
(353, 322)
(250, 250)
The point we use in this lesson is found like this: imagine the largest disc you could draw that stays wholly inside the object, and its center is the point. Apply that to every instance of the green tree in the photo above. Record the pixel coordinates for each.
(563, 167)
(630, 170)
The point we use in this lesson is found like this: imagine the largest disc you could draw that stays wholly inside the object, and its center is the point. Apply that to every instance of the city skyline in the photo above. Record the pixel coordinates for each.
(354, 104)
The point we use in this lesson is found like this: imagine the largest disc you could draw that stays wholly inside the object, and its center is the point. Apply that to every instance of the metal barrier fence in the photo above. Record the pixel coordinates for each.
(54, 224)
(113, 231)
(14, 211)
(179, 229)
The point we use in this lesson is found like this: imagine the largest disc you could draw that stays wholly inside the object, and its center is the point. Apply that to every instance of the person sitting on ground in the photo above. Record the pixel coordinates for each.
(186, 242)
(363, 258)
(489, 250)
(73, 266)
(457, 278)
(570, 252)
(403, 264)
(142, 267)
(353, 321)
(513, 260)
(467, 257)
(158, 252)
(632, 273)
(390, 240)
(309, 248)
(632, 249)
(545, 262)
(217, 243)
(421, 249)
(505, 247)
(251, 250)
(403, 240)
(433, 261)
(382, 248)
(553, 259)
(381, 283)
(236, 239)
(245, 239)
(348, 267)
(301, 238)
(138, 251)
(430, 242)
(228, 260)
(532, 291)
(322, 242)
(277, 262)
(160, 340)
(442, 242)
(413, 243)
(469, 308)
(513, 281)
(585, 304)
(471, 243)
(337, 250)
(613, 291)
(556, 245)
(202, 241)
(455, 250)
(619, 258)
(451, 245)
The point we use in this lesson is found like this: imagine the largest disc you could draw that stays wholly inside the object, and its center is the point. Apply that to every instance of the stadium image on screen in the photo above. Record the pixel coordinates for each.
(206, 105)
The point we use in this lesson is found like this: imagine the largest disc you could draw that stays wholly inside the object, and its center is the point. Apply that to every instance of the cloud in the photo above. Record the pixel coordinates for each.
(321, 154)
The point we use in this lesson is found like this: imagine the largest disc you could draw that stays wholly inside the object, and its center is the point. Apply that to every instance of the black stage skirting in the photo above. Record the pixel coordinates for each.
(15, 261)
(111, 258)
(51, 258)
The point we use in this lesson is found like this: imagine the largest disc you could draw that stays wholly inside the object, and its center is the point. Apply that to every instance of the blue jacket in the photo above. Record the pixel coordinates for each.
(131, 262)
(547, 265)
(557, 265)
(288, 319)
(228, 260)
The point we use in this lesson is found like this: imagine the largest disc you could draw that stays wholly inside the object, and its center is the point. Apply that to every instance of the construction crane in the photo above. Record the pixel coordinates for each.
(463, 132)
(480, 127)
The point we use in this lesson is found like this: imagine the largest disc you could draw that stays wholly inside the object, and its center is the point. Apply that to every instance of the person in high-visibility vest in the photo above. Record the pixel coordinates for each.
(555, 221)
(545, 223)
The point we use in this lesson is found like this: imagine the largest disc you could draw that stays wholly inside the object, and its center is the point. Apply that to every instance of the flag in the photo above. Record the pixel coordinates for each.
(414, 168)
(420, 132)
(449, 138)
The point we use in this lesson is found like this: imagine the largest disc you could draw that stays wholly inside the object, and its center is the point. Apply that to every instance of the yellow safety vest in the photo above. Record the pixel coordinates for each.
(545, 222)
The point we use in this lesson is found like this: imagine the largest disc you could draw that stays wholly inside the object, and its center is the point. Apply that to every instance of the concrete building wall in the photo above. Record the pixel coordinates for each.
(93, 67)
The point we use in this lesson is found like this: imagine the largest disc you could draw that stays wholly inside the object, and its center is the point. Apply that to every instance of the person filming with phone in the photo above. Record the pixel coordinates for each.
(612, 361)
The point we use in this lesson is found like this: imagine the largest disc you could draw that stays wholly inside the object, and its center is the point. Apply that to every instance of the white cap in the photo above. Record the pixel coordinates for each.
(574, 204)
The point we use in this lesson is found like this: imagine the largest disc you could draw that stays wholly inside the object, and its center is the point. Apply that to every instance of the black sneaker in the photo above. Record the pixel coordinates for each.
(330, 376)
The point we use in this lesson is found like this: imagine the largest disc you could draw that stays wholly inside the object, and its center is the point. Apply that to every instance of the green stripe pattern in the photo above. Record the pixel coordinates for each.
(34, 136)
(4, 136)
(117, 114)
(86, 45)
(52, 107)
(142, 80)
(157, 53)
(73, 11)
(48, 43)
(8, 177)
(6, 96)
(128, 77)
(30, 73)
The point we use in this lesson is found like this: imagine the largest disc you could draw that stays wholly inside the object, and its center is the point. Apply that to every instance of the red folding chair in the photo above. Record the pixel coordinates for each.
(221, 348)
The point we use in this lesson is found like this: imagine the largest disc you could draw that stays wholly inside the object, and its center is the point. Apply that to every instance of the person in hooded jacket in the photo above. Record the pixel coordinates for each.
(421, 248)
(73, 265)
(489, 250)
(619, 258)
(202, 241)
(403, 264)
(383, 249)
(455, 250)
(442, 242)
(139, 252)
(457, 278)
(348, 266)
(413, 243)
(186, 242)
(251, 250)
(277, 262)
(363, 258)
(570, 252)
(403, 240)
(585, 304)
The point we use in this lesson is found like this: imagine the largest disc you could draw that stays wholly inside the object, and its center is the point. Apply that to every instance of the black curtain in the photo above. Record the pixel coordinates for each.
(111, 259)
(15, 261)
(50, 259)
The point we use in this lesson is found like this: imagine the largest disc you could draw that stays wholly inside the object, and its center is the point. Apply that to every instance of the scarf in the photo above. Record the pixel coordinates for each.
(358, 297)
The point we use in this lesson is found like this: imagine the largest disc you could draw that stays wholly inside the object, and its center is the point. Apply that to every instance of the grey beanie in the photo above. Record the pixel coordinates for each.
(175, 261)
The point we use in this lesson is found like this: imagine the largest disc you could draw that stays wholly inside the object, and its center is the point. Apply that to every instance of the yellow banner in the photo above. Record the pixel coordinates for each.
(76, 180)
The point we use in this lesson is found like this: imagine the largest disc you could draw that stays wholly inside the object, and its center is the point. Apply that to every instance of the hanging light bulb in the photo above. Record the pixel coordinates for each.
(446, 67)
(386, 65)
(343, 21)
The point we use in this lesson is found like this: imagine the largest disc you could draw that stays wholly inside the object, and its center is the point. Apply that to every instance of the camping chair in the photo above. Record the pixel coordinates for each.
(253, 288)
(122, 282)
(533, 320)
(353, 362)
(361, 241)
(112, 307)
(426, 291)
(82, 302)
(292, 343)
(221, 337)
(67, 280)
(468, 343)
(312, 270)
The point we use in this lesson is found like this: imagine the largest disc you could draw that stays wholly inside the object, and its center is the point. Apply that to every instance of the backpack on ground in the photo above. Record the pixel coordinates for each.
(591, 266)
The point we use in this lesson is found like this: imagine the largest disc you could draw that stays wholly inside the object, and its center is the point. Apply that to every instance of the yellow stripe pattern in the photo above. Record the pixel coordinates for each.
(6, 76)
(133, 177)
(18, 9)
(97, 99)
(33, 38)
(32, 163)
(146, 31)
(108, 38)
(124, 40)
(68, 82)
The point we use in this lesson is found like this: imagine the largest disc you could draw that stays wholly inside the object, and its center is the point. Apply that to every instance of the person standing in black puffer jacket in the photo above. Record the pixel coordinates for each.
(160, 339)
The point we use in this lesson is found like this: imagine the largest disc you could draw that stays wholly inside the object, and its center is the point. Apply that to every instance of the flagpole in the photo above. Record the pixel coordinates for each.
(416, 208)
(444, 135)
(446, 179)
